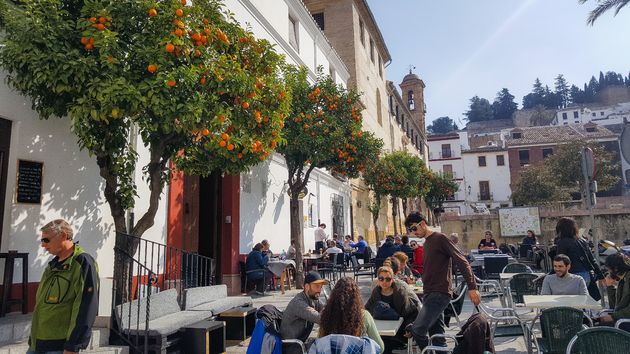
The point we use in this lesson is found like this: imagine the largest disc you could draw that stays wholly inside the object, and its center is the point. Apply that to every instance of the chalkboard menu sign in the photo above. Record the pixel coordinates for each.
(29, 182)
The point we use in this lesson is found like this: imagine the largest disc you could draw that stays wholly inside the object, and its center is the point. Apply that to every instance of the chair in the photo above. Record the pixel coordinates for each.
(523, 250)
(522, 284)
(327, 267)
(601, 340)
(493, 265)
(431, 348)
(454, 308)
(504, 322)
(341, 343)
(490, 288)
(558, 325)
(623, 324)
(361, 269)
(516, 268)
(340, 264)
(378, 262)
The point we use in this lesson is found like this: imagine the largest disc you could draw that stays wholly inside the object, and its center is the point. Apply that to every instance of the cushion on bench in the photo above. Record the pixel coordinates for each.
(218, 306)
(197, 296)
(161, 304)
(172, 323)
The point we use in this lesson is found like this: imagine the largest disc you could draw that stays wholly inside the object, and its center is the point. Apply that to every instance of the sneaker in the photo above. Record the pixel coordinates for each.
(259, 292)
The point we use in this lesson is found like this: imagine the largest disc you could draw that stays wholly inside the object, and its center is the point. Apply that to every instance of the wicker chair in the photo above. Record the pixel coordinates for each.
(558, 326)
(600, 340)
(522, 284)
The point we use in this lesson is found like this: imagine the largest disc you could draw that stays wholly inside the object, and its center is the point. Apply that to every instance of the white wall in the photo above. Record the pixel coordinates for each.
(498, 177)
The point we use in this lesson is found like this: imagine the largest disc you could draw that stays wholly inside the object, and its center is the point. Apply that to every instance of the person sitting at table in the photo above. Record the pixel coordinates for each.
(256, 260)
(302, 312)
(618, 287)
(403, 269)
(265, 250)
(531, 240)
(404, 247)
(291, 252)
(344, 313)
(397, 241)
(396, 295)
(360, 245)
(332, 249)
(487, 243)
(563, 282)
(338, 242)
(417, 267)
(387, 249)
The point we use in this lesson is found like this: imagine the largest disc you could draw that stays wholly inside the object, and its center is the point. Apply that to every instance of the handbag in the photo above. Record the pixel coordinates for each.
(594, 270)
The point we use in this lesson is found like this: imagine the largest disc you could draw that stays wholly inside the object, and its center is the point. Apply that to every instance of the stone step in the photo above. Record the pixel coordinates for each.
(21, 348)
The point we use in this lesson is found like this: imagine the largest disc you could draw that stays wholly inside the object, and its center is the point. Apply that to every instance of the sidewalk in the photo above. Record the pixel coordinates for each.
(511, 345)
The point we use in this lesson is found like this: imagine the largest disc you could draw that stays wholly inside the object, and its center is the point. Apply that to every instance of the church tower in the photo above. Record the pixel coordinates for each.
(412, 88)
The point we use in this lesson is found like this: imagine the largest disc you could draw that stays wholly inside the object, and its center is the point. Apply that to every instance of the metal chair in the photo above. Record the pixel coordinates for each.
(504, 322)
(522, 284)
(361, 269)
(601, 340)
(516, 268)
(454, 308)
(439, 349)
(327, 267)
(623, 324)
(558, 325)
(491, 288)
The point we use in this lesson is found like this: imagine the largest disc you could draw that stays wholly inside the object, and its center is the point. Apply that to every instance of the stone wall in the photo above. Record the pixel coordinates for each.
(611, 225)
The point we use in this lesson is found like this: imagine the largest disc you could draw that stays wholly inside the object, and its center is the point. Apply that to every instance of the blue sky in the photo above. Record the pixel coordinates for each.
(463, 48)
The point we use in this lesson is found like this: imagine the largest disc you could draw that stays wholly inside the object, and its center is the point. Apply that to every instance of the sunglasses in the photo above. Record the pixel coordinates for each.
(412, 228)
(387, 279)
(44, 240)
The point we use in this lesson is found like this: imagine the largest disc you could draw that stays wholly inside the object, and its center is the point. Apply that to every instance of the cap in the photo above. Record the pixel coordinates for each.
(315, 278)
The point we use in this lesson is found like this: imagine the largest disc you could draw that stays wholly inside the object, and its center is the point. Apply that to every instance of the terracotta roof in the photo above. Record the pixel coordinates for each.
(487, 148)
(556, 134)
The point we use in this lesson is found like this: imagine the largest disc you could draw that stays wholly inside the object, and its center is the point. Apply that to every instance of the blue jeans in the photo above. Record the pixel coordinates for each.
(430, 318)
(53, 352)
(585, 275)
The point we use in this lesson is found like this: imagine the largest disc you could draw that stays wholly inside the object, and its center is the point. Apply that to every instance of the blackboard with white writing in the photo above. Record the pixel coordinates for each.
(29, 182)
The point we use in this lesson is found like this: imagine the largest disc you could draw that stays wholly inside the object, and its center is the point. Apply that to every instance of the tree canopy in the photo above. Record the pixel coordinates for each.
(504, 106)
(440, 188)
(479, 110)
(199, 90)
(604, 6)
(442, 125)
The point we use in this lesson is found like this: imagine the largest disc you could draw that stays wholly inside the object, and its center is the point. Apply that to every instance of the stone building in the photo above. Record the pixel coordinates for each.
(352, 30)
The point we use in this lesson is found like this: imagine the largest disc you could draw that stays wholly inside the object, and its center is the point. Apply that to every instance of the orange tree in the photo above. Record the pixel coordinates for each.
(440, 188)
(197, 88)
(323, 130)
(399, 175)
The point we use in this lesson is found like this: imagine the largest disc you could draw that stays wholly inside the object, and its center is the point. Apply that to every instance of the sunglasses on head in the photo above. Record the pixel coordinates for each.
(387, 279)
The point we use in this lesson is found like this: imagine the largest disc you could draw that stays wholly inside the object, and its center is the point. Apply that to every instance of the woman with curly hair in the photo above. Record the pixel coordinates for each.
(344, 313)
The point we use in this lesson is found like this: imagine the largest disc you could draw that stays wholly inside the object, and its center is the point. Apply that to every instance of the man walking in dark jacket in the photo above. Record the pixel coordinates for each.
(66, 303)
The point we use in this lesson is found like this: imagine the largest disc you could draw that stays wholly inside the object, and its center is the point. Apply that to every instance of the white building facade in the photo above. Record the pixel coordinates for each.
(602, 115)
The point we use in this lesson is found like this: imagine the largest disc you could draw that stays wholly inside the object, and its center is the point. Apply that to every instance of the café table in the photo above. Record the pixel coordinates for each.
(311, 258)
(542, 302)
(388, 328)
(280, 268)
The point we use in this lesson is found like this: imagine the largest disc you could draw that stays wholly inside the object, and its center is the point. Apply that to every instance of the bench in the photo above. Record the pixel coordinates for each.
(165, 319)
(213, 299)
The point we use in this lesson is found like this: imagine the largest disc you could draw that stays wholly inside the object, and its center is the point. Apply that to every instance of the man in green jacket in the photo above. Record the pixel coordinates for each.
(67, 296)
(619, 298)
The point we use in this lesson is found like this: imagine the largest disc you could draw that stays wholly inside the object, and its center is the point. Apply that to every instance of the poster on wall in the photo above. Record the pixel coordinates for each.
(29, 182)
(516, 221)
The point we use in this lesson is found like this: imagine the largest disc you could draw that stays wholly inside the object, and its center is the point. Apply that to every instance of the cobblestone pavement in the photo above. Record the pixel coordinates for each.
(511, 345)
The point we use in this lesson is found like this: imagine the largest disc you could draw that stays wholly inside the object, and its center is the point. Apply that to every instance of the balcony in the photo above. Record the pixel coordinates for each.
(447, 154)
(484, 196)
(451, 174)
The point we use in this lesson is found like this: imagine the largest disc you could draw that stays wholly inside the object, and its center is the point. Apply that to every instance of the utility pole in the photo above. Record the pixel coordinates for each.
(590, 188)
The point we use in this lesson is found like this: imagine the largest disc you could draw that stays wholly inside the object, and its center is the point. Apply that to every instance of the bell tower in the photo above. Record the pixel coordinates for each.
(412, 88)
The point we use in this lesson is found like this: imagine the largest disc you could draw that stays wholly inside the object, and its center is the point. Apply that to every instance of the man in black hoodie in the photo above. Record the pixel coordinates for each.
(387, 249)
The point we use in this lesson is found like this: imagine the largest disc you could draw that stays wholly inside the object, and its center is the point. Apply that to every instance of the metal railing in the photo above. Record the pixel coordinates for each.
(143, 268)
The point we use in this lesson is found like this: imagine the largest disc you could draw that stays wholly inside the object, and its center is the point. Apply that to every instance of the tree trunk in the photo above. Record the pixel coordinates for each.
(394, 212)
(296, 236)
(405, 207)
(400, 227)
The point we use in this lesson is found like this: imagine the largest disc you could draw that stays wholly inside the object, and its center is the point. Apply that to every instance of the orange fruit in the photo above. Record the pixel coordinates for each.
(306, 127)
(169, 48)
(202, 81)
(171, 83)
(102, 20)
(196, 37)
(152, 68)
(183, 2)
(92, 19)
(240, 156)
(222, 143)
(178, 32)
(84, 40)
(230, 147)
(205, 132)
(245, 105)
(152, 12)
(197, 53)
(205, 21)
(89, 46)
(99, 26)
(259, 84)
(222, 119)
(179, 12)
(225, 137)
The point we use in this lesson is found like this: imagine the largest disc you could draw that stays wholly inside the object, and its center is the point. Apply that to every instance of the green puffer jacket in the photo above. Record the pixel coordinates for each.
(66, 304)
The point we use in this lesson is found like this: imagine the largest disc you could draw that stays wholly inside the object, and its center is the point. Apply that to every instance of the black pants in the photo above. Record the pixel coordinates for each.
(319, 245)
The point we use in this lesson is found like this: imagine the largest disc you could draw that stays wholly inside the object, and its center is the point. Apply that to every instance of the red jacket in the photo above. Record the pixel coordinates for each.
(418, 261)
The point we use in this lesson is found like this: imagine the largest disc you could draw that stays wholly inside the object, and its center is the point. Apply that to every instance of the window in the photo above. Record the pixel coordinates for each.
(564, 115)
(379, 114)
(576, 114)
(319, 19)
(482, 161)
(500, 160)
(447, 170)
(362, 32)
(484, 190)
(402, 120)
(547, 152)
(517, 135)
(594, 114)
(371, 50)
(523, 157)
(410, 100)
(446, 151)
(294, 33)
(380, 67)
(391, 103)
(601, 113)
(332, 73)
(397, 115)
